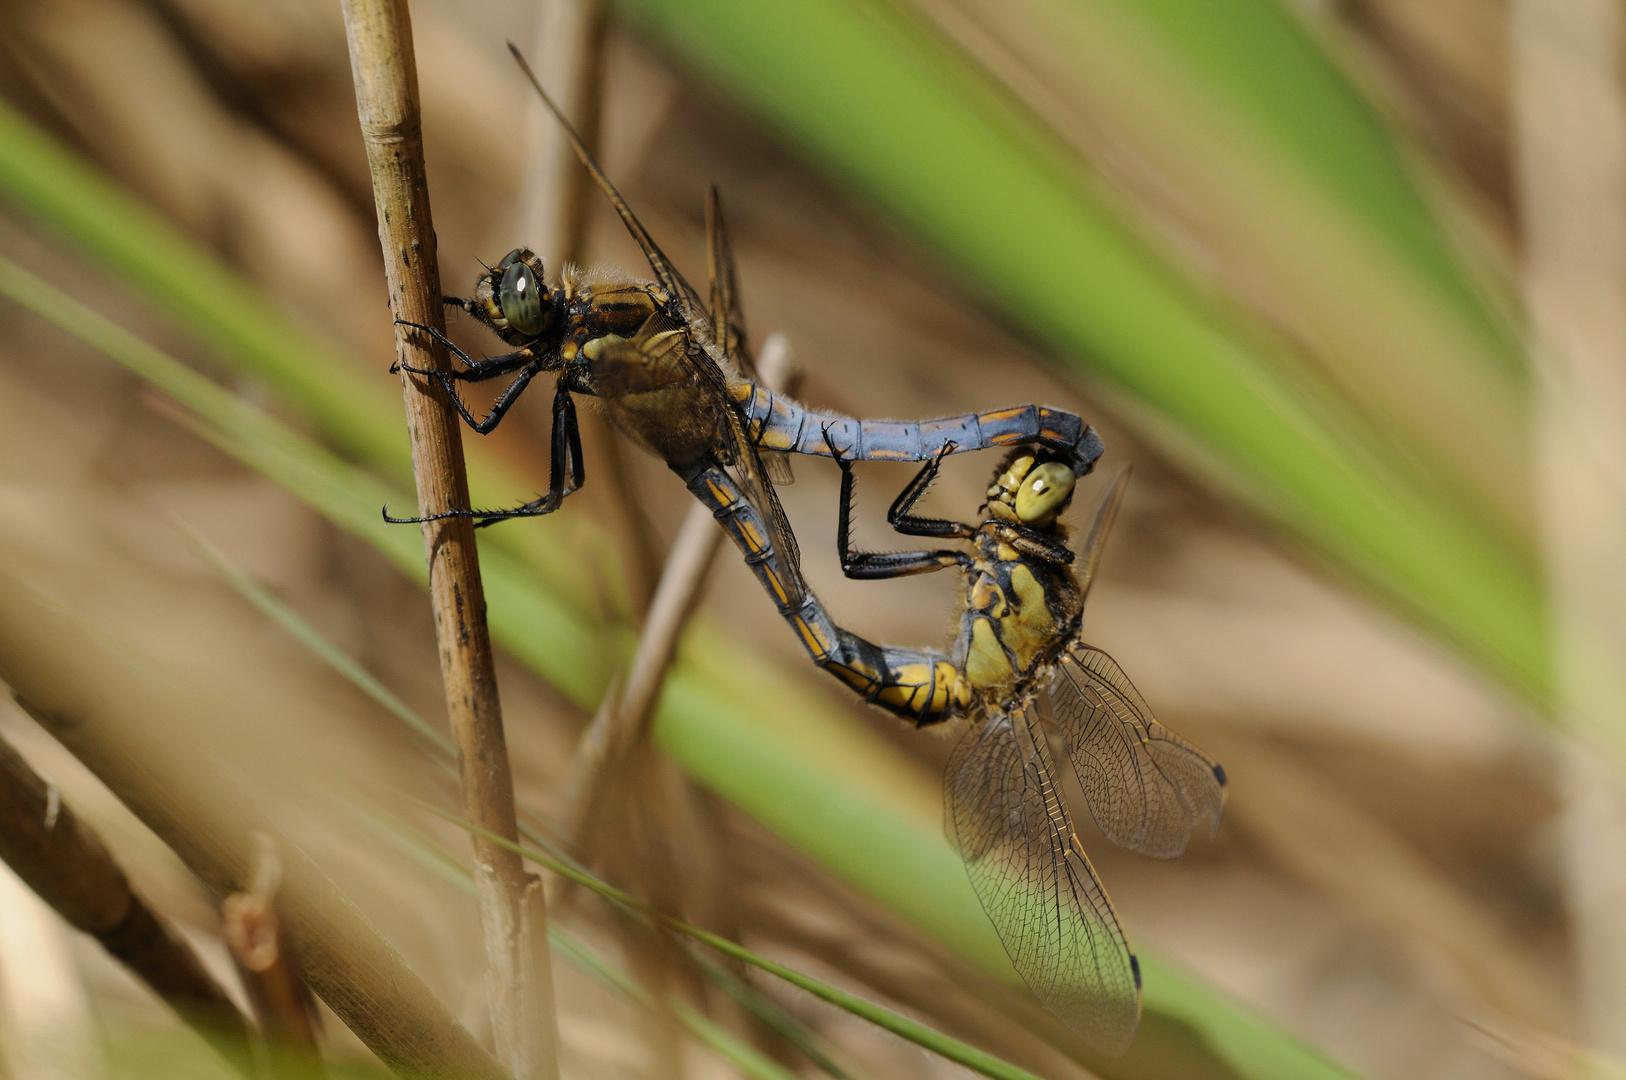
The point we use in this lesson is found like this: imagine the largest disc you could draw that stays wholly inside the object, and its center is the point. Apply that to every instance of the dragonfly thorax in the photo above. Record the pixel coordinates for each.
(1019, 611)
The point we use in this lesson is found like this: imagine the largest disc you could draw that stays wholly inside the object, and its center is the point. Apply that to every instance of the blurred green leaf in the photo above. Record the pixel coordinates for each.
(1256, 62)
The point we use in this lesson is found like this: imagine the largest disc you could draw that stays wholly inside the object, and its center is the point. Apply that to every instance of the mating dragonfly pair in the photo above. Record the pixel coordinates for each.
(675, 374)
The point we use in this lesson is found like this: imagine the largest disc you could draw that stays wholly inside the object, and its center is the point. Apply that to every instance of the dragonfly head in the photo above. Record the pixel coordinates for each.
(515, 299)
(1032, 488)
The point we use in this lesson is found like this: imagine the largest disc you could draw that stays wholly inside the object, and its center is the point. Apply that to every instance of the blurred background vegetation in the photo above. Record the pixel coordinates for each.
(1278, 252)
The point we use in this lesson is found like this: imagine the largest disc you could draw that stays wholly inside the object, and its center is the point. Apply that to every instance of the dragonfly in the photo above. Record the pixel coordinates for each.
(1019, 661)
(675, 374)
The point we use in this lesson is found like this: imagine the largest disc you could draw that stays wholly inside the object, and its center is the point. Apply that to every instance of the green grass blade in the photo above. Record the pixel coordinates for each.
(829, 787)
(783, 1024)
(1254, 61)
(748, 1059)
(906, 120)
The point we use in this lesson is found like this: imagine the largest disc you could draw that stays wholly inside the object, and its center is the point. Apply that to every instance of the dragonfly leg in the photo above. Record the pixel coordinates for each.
(875, 565)
(524, 360)
(1038, 545)
(565, 473)
(500, 408)
(898, 514)
(473, 370)
(565, 470)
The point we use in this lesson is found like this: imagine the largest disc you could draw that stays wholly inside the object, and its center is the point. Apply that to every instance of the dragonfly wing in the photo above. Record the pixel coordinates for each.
(776, 463)
(662, 267)
(746, 461)
(1147, 788)
(727, 319)
(1006, 816)
(1095, 540)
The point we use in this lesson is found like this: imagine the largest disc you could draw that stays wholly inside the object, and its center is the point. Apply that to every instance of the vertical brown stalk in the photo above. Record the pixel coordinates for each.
(512, 910)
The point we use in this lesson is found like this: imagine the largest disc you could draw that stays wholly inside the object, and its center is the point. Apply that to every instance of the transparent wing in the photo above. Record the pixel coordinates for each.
(1095, 540)
(662, 267)
(1147, 788)
(754, 481)
(727, 320)
(741, 452)
(1006, 816)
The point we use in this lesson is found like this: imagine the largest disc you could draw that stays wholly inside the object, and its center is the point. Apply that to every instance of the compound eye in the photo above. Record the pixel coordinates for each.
(511, 258)
(1044, 491)
(520, 297)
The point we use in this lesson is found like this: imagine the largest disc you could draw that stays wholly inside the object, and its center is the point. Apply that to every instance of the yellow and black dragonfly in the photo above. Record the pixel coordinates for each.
(676, 376)
(1018, 660)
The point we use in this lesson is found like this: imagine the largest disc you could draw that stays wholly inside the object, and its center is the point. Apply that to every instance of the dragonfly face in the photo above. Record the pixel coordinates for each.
(514, 300)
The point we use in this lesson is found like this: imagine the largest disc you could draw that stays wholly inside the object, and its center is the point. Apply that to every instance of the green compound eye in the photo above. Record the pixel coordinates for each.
(520, 297)
(1044, 491)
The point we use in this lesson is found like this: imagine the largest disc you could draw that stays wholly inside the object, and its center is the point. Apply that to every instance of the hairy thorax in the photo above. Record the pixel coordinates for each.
(634, 356)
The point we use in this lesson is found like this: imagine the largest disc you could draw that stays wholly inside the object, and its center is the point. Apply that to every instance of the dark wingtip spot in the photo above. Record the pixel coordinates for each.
(1219, 774)
(1134, 966)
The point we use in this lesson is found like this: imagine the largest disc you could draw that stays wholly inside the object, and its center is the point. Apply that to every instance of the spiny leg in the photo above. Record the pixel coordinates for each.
(526, 361)
(899, 517)
(564, 460)
(566, 457)
(1037, 544)
(474, 370)
(873, 565)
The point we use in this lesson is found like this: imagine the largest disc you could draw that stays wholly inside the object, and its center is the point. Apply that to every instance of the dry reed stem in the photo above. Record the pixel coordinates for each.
(513, 911)
(116, 714)
(65, 863)
(265, 960)
(622, 723)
